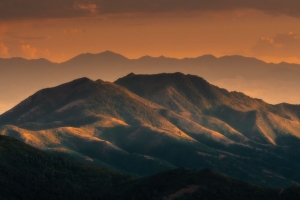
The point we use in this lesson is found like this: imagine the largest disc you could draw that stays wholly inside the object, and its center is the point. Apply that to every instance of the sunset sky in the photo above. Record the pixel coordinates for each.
(61, 29)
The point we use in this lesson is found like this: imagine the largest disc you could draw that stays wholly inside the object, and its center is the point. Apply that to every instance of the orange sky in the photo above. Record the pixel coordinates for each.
(271, 34)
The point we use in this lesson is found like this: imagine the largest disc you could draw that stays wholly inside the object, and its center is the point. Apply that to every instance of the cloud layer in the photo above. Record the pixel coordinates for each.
(284, 45)
(20, 9)
(3, 50)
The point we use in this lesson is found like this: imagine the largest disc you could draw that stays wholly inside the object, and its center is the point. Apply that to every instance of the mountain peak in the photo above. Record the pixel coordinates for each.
(130, 75)
(192, 91)
(109, 53)
(82, 79)
(105, 56)
(161, 79)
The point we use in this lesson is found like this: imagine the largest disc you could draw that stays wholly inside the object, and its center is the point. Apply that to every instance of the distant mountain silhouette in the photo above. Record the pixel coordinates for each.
(274, 83)
(162, 122)
(93, 60)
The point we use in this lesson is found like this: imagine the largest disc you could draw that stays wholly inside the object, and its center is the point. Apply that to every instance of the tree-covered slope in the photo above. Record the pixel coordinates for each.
(29, 173)
(188, 184)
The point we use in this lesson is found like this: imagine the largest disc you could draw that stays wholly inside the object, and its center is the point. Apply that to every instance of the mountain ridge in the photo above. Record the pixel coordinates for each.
(112, 53)
(253, 77)
(194, 90)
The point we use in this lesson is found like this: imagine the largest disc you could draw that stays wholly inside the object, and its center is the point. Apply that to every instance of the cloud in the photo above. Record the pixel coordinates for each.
(26, 38)
(4, 50)
(20, 9)
(36, 9)
(33, 52)
(283, 45)
(3, 28)
(72, 31)
(90, 7)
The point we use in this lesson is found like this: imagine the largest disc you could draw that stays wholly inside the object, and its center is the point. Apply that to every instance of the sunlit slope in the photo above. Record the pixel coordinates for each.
(84, 144)
(82, 99)
(186, 92)
(82, 102)
(71, 117)
(214, 108)
(76, 117)
(107, 125)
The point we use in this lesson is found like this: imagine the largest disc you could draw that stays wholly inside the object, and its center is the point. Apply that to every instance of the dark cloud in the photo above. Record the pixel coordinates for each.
(284, 45)
(24, 9)
(18, 9)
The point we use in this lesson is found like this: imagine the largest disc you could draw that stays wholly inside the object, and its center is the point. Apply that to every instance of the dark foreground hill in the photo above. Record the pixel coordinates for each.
(187, 184)
(28, 173)
(166, 121)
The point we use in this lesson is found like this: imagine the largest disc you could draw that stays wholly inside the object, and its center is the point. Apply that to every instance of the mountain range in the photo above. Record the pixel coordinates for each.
(145, 124)
(275, 83)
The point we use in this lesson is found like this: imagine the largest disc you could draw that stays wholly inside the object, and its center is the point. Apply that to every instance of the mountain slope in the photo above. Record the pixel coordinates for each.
(28, 173)
(104, 124)
(76, 117)
(192, 97)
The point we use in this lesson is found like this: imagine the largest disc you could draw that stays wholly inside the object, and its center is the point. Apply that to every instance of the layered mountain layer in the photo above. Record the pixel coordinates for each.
(274, 83)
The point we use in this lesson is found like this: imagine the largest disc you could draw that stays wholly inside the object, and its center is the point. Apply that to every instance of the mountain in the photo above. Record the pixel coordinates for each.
(186, 122)
(195, 99)
(28, 173)
(93, 60)
(75, 117)
(275, 83)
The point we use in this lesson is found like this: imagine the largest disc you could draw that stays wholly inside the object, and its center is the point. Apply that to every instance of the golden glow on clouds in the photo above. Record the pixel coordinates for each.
(90, 7)
(32, 52)
(281, 46)
(4, 50)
